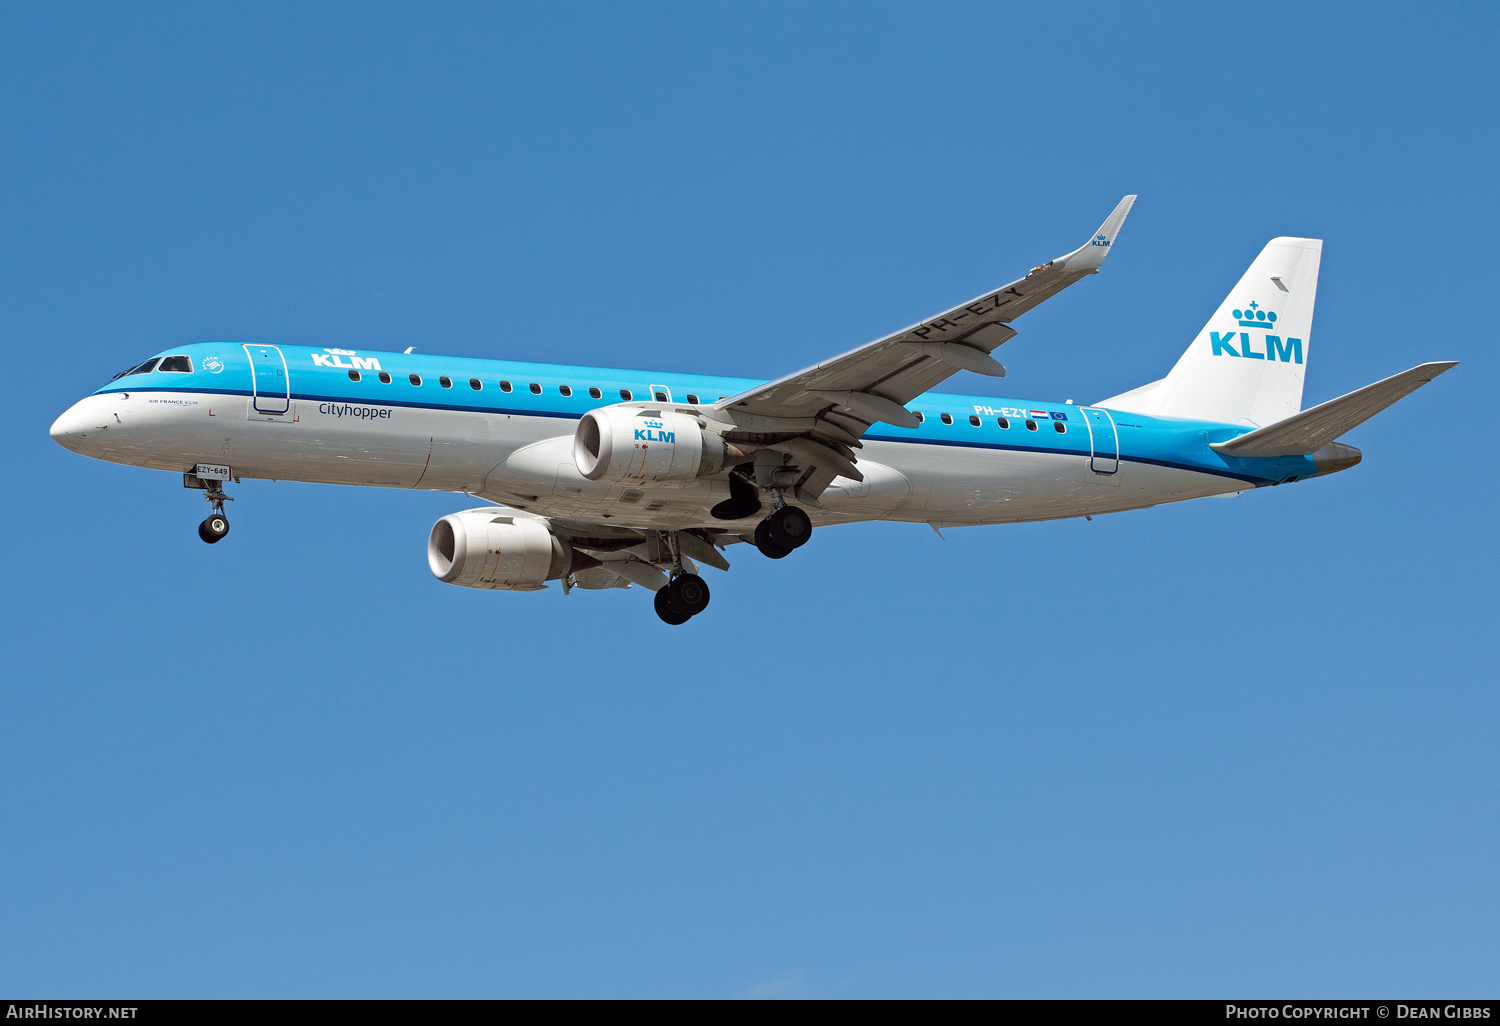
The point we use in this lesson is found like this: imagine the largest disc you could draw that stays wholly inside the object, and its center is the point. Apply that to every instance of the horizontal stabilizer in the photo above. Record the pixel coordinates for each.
(1304, 433)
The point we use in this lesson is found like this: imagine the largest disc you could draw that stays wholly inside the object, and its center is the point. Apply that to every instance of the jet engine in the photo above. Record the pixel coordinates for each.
(628, 445)
(489, 548)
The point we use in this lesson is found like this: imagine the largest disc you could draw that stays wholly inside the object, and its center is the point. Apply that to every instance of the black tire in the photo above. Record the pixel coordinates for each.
(789, 527)
(769, 548)
(666, 612)
(214, 528)
(688, 593)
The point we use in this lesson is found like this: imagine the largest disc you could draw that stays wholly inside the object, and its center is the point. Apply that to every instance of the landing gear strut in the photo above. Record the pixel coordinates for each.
(784, 530)
(217, 525)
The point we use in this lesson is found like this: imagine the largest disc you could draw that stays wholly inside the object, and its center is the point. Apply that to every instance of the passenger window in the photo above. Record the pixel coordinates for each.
(947, 418)
(385, 379)
(445, 381)
(921, 417)
(692, 399)
(1004, 424)
(974, 421)
(566, 390)
(626, 394)
(145, 368)
(594, 393)
(505, 386)
(476, 384)
(536, 389)
(661, 397)
(354, 375)
(177, 365)
(1031, 425)
(416, 379)
(1059, 427)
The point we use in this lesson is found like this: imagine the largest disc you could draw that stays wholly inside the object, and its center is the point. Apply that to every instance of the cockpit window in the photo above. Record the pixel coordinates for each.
(145, 368)
(177, 365)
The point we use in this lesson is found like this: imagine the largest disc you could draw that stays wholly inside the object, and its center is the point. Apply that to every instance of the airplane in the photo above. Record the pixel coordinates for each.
(605, 478)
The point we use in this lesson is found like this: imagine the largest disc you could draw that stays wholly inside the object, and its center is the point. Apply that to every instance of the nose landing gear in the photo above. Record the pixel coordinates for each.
(216, 526)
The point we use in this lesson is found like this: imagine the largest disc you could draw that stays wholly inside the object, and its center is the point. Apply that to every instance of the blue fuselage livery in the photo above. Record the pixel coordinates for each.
(188, 416)
(602, 477)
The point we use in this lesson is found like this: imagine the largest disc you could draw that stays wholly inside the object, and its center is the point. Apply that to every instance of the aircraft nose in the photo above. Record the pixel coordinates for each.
(76, 423)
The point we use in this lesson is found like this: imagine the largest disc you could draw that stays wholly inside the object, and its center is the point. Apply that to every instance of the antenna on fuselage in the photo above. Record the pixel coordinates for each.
(408, 349)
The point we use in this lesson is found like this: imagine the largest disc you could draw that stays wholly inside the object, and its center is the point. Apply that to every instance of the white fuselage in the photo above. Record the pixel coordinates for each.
(527, 462)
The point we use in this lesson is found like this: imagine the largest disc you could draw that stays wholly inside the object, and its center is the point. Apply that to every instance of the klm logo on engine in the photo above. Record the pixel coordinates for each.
(1238, 344)
(653, 432)
(336, 360)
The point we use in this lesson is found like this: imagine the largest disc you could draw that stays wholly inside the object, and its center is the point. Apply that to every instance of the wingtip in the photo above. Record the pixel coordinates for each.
(1091, 254)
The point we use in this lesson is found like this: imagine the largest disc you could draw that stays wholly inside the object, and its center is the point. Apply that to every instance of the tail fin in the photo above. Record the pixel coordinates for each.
(1246, 365)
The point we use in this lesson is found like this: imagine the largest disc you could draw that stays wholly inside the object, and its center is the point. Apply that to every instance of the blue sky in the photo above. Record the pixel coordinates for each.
(1234, 747)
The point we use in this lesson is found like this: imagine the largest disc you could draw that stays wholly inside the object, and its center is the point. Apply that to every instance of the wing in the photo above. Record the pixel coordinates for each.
(877, 380)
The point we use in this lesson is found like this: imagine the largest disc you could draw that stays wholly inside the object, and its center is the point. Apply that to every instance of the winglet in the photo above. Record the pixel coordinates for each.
(1091, 254)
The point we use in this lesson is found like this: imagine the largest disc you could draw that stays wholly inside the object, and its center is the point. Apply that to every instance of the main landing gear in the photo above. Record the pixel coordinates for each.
(683, 599)
(216, 526)
(686, 596)
(784, 530)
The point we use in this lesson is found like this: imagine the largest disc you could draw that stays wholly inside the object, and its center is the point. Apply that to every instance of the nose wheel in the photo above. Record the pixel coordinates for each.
(214, 528)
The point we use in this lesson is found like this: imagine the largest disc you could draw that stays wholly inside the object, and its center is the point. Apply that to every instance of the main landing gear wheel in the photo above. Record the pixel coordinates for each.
(688, 593)
(768, 548)
(214, 528)
(667, 613)
(789, 527)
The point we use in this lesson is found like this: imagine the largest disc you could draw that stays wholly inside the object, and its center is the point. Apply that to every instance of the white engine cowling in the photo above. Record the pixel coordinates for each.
(628, 445)
(487, 548)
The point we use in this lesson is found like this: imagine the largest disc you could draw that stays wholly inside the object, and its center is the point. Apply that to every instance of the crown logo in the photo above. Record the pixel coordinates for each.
(340, 352)
(1254, 317)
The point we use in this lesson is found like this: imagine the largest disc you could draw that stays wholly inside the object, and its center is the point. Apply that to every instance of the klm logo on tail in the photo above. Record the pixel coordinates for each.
(1252, 316)
(1099, 240)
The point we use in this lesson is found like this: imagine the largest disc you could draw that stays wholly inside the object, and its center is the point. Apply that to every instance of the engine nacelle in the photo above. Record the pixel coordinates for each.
(488, 548)
(628, 445)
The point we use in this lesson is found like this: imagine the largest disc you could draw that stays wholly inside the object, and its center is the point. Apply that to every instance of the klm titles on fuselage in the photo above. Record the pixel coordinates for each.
(1252, 316)
(336, 360)
(653, 432)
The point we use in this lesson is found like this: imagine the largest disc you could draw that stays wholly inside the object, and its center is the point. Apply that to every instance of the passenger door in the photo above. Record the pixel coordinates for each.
(270, 383)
